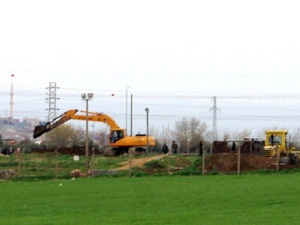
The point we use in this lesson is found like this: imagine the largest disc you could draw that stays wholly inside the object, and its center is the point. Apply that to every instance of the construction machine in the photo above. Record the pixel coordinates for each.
(276, 143)
(119, 142)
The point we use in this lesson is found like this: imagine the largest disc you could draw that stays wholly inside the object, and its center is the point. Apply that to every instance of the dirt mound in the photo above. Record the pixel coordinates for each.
(221, 162)
(138, 162)
(228, 162)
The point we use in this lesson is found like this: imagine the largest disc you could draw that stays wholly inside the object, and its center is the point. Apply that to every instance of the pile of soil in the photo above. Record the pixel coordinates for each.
(228, 162)
(220, 146)
(220, 162)
(255, 147)
(138, 162)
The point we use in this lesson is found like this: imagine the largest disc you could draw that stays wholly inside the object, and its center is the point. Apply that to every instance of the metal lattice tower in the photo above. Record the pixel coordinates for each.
(51, 100)
(215, 109)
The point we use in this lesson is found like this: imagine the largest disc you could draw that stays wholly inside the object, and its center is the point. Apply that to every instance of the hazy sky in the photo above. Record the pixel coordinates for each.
(159, 48)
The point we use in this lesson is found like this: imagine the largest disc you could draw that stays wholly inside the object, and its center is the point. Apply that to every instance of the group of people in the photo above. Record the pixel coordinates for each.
(165, 148)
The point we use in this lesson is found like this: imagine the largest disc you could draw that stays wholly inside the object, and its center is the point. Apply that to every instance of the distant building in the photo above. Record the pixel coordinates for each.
(17, 129)
(9, 141)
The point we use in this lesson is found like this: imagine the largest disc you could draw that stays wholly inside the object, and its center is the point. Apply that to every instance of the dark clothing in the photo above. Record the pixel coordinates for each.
(165, 149)
(200, 148)
(174, 148)
(233, 147)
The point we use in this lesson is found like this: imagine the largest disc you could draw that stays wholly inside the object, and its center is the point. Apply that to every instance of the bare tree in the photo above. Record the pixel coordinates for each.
(189, 132)
(165, 135)
(241, 135)
(162, 136)
(294, 138)
(102, 139)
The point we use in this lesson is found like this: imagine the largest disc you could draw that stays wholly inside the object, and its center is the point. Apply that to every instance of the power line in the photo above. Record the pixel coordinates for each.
(38, 73)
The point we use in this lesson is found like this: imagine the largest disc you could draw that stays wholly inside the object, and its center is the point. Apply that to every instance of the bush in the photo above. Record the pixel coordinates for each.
(154, 164)
(197, 165)
(138, 173)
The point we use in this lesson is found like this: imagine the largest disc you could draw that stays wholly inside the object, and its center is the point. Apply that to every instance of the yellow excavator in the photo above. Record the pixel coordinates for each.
(119, 142)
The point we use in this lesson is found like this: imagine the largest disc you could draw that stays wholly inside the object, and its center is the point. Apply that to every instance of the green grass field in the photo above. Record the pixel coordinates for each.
(221, 199)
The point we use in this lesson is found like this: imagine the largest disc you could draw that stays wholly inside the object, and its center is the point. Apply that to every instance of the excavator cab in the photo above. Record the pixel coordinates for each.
(115, 135)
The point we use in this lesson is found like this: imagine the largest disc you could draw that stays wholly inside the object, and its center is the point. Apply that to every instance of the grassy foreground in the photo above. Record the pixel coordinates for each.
(222, 199)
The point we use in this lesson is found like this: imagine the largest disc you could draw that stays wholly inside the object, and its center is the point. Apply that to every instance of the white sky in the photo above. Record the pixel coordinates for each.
(159, 48)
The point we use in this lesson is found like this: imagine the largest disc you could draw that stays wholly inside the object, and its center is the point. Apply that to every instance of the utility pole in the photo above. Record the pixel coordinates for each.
(52, 100)
(87, 97)
(11, 103)
(147, 125)
(215, 109)
(126, 108)
(131, 111)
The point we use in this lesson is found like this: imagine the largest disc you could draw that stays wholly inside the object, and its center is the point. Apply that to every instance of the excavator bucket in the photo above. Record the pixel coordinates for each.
(39, 130)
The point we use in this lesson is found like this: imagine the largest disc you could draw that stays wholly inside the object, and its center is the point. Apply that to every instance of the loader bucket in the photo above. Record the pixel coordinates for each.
(39, 130)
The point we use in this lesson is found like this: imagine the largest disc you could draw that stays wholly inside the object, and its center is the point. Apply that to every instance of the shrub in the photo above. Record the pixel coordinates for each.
(154, 165)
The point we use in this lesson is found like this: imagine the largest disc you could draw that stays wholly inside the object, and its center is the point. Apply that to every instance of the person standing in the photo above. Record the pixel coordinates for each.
(174, 147)
(201, 148)
(165, 148)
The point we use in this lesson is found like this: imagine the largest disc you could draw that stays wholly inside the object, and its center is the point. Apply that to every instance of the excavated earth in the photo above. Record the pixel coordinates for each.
(221, 162)
(138, 162)
(228, 162)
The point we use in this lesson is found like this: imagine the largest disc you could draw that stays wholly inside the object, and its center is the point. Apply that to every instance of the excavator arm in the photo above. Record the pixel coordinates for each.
(72, 114)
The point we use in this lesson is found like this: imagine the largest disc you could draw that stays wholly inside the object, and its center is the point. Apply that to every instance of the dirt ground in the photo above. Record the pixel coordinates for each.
(221, 162)
(228, 162)
(138, 162)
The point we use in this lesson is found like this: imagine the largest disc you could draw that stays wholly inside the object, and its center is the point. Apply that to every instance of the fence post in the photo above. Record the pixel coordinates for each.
(129, 163)
(56, 163)
(277, 152)
(203, 161)
(93, 162)
(19, 162)
(169, 161)
(239, 161)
